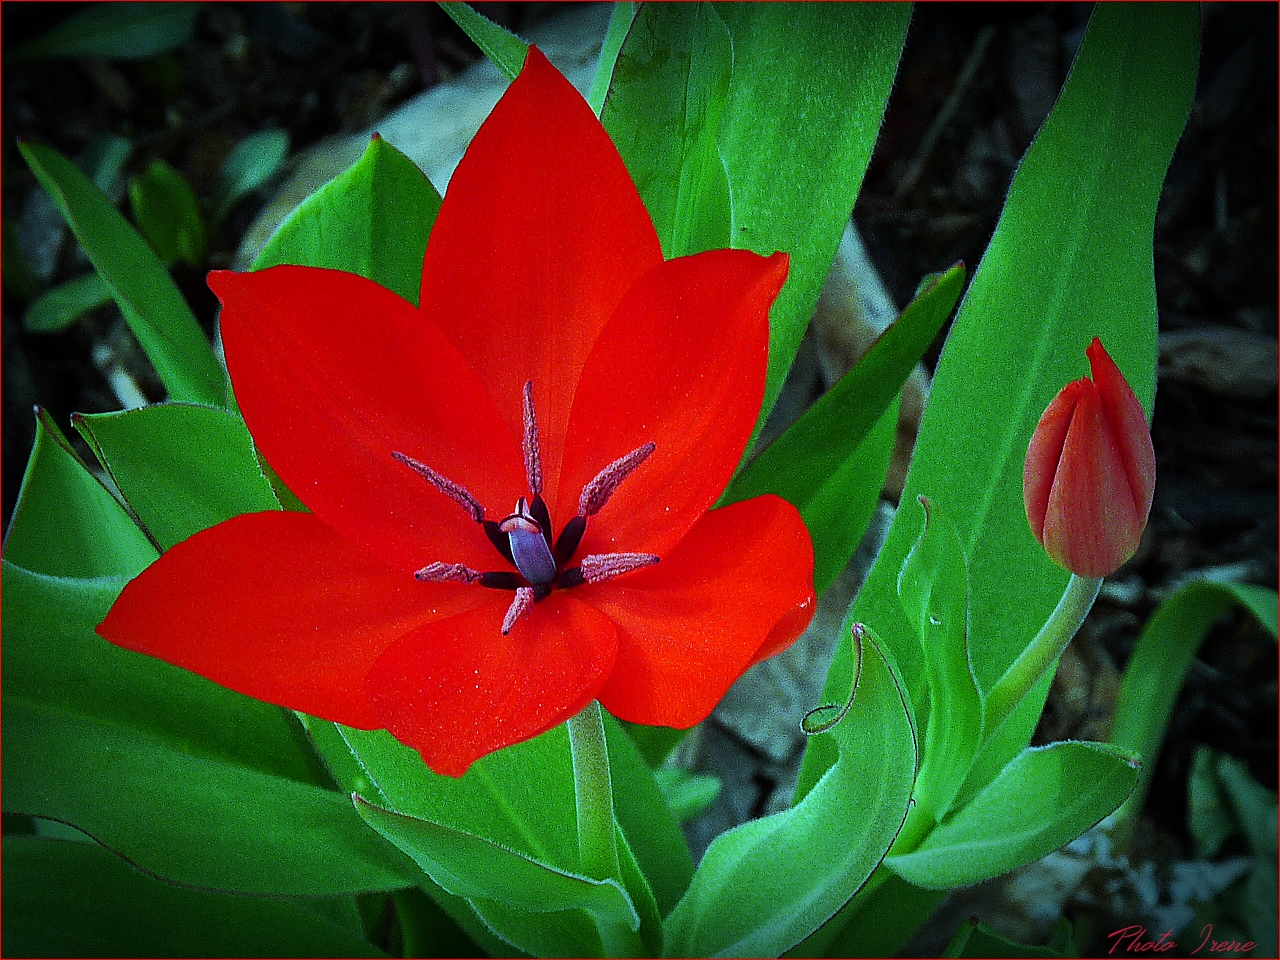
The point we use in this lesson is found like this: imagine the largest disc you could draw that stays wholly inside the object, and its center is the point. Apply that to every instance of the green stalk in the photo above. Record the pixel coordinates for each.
(1041, 654)
(594, 793)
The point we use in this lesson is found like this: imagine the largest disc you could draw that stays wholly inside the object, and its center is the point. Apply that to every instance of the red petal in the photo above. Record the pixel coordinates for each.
(1044, 452)
(738, 588)
(458, 689)
(540, 235)
(278, 607)
(682, 364)
(1091, 525)
(333, 373)
(1128, 426)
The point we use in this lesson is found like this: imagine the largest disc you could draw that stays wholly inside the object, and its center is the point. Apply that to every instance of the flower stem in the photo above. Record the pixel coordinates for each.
(594, 793)
(1042, 652)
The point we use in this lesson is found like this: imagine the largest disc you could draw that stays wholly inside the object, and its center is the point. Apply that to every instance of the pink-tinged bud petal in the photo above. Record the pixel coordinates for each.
(1091, 472)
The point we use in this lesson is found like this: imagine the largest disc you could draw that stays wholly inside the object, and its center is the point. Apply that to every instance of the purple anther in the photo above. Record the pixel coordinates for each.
(604, 566)
(529, 547)
(532, 457)
(447, 573)
(597, 493)
(521, 602)
(454, 491)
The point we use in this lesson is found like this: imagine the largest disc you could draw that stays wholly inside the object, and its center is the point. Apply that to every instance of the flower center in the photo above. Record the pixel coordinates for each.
(524, 538)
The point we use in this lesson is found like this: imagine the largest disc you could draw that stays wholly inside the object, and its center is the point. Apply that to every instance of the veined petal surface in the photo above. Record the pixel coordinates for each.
(457, 689)
(540, 235)
(690, 626)
(279, 607)
(681, 365)
(333, 373)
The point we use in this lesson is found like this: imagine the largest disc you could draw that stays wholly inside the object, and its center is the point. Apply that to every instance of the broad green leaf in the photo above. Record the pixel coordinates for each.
(184, 778)
(655, 744)
(1045, 798)
(250, 164)
(65, 522)
(807, 90)
(53, 657)
(428, 930)
(520, 797)
(180, 467)
(687, 794)
(876, 923)
(664, 108)
(504, 49)
(1071, 258)
(1163, 654)
(58, 308)
(764, 886)
(624, 12)
(472, 867)
(810, 84)
(154, 309)
(373, 219)
(117, 31)
(167, 214)
(831, 463)
(78, 900)
(976, 939)
(346, 769)
(933, 589)
(186, 817)
(801, 462)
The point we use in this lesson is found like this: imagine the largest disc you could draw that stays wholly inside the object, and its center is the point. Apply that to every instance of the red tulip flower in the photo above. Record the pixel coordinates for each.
(1091, 471)
(510, 484)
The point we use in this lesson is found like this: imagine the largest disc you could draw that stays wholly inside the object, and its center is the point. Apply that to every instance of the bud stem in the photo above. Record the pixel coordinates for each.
(1042, 652)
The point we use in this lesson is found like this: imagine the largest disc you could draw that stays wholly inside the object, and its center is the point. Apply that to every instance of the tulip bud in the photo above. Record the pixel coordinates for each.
(1091, 472)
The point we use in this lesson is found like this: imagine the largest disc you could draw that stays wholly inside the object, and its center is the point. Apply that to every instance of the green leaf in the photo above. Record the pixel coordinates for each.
(620, 19)
(188, 780)
(798, 97)
(1071, 258)
(1045, 798)
(63, 305)
(504, 49)
(117, 31)
(933, 589)
(664, 108)
(152, 305)
(250, 164)
(687, 794)
(373, 219)
(180, 467)
(831, 463)
(472, 867)
(166, 212)
(65, 522)
(976, 939)
(346, 769)
(103, 159)
(78, 900)
(1164, 652)
(764, 886)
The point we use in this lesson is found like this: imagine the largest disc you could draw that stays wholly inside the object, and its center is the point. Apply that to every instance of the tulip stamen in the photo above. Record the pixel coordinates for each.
(597, 493)
(520, 603)
(454, 491)
(532, 456)
(598, 567)
(524, 538)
